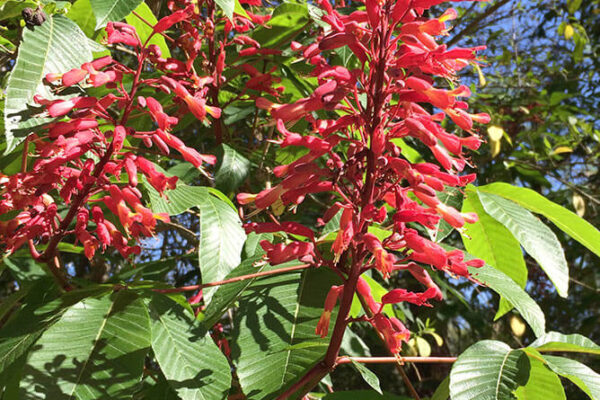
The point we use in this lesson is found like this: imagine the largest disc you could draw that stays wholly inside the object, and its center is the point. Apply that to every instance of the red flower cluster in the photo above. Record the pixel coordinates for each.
(81, 158)
(356, 157)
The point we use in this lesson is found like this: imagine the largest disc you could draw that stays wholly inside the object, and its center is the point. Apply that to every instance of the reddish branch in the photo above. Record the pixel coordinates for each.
(399, 359)
(236, 279)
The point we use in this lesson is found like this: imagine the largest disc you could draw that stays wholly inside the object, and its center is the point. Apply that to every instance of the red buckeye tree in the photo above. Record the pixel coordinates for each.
(375, 136)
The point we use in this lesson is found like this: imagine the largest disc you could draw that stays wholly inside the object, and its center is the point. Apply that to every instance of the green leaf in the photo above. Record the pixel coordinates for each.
(535, 237)
(112, 10)
(144, 31)
(288, 20)
(10, 302)
(353, 345)
(13, 8)
(17, 336)
(555, 341)
(274, 314)
(489, 240)
(178, 200)
(25, 269)
(227, 6)
(185, 171)
(81, 13)
(573, 5)
(149, 271)
(252, 246)
(157, 390)
(409, 153)
(96, 350)
(443, 390)
(221, 241)
(190, 360)
(226, 295)
(232, 169)
(368, 375)
(508, 289)
(542, 384)
(576, 227)
(488, 370)
(57, 46)
(239, 10)
(576, 372)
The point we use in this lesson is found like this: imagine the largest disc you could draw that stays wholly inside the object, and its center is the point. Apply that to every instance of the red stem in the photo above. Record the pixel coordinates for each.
(236, 279)
(390, 360)
(375, 106)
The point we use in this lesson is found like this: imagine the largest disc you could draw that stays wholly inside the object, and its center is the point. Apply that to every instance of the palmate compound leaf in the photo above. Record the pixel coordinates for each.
(535, 237)
(96, 350)
(276, 316)
(58, 45)
(489, 240)
(188, 357)
(488, 370)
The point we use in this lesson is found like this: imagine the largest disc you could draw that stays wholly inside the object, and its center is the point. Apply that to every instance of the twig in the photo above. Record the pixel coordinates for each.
(390, 360)
(183, 230)
(236, 279)
(408, 383)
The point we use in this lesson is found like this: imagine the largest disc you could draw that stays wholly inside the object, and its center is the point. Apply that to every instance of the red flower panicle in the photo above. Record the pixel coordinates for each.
(395, 90)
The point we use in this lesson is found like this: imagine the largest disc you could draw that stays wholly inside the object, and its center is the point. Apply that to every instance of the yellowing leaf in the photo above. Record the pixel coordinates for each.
(579, 205)
(420, 346)
(517, 326)
(569, 31)
(562, 149)
(495, 145)
(438, 339)
(482, 81)
(495, 132)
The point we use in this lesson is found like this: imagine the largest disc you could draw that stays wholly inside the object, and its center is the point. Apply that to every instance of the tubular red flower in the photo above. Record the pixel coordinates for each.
(402, 295)
(332, 296)
(74, 76)
(166, 22)
(280, 253)
(288, 227)
(393, 331)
